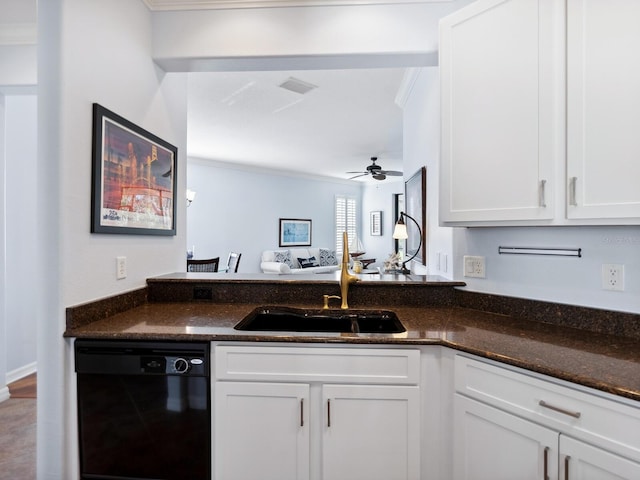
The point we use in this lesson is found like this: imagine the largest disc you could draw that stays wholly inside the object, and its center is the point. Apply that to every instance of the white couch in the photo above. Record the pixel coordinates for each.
(275, 261)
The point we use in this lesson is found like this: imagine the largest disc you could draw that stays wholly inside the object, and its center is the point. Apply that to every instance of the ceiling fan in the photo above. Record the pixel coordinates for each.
(376, 171)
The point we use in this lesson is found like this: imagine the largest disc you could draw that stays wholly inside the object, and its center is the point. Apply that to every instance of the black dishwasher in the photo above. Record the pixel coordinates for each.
(144, 410)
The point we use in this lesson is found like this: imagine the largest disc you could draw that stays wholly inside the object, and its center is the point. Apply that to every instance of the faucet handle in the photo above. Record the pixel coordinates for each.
(326, 298)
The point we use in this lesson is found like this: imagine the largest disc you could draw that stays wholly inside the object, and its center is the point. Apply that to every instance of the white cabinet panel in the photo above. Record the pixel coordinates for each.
(490, 444)
(581, 461)
(500, 67)
(261, 431)
(371, 432)
(540, 113)
(326, 364)
(603, 141)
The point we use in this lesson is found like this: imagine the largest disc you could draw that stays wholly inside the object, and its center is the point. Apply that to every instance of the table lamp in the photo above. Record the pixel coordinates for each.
(400, 233)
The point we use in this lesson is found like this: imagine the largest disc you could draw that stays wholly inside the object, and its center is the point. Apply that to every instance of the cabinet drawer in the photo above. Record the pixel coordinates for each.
(308, 364)
(591, 417)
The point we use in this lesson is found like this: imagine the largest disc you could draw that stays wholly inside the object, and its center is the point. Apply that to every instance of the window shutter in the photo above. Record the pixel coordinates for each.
(345, 220)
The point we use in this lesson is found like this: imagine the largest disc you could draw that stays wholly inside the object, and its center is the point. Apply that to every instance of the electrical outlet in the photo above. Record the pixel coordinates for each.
(121, 268)
(613, 277)
(474, 266)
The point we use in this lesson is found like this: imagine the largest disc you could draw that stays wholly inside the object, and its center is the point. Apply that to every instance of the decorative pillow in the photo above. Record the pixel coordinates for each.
(283, 256)
(327, 257)
(308, 262)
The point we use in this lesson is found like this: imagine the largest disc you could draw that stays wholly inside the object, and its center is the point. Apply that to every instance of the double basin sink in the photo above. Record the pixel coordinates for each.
(290, 319)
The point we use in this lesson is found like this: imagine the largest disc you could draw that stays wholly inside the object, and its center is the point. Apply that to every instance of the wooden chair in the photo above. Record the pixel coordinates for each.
(207, 265)
(233, 261)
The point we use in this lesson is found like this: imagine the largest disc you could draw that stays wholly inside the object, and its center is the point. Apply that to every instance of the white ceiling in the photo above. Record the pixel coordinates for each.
(246, 118)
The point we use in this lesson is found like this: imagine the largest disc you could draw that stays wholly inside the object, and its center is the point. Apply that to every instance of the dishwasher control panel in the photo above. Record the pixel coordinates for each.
(172, 365)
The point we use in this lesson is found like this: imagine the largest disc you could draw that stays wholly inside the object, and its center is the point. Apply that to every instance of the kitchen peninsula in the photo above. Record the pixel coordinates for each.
(457, 343)
(596, 348)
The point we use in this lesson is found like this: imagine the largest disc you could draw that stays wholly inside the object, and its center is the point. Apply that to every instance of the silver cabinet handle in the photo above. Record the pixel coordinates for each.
(572, 192)
(566, 467)
(546, 464)
(328, 413)
(543, 202)
(544, 404)
(302, 412)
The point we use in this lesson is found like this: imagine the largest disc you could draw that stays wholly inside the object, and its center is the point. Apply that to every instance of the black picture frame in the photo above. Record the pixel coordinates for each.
(295, 232)
(375, 223)
(134, 180)
(415, 199)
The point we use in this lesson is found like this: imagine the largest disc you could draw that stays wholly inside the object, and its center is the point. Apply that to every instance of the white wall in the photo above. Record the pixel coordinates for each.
(17, 125)
(421, 122)
(316, 37)
(4, 391)
(20, 224)
(91, 51)
(378, 196)
(569, 280)
(238, 209)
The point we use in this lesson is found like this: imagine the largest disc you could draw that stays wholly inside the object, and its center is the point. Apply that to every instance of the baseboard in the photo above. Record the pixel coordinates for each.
(4, 394)
(21, 372)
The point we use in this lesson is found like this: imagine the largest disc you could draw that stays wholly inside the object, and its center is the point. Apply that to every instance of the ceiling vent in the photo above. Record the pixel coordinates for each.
(297, 85)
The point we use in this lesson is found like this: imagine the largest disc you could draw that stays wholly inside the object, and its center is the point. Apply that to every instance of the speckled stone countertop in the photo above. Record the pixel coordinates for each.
(604, 361)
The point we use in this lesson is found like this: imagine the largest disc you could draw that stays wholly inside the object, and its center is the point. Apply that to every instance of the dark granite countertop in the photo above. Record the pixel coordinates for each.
(606, 362)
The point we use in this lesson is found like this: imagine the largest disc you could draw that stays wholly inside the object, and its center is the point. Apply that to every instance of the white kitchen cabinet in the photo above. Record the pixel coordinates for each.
(510, 425)
(501, 64)
(540, 113)
(316, 413)
(371, 432)
(491, 444)
(603, 114)
(581, 461)
(261, 431)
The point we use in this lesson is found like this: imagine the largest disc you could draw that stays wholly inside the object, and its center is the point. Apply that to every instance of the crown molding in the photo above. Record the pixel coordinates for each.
(159, 5)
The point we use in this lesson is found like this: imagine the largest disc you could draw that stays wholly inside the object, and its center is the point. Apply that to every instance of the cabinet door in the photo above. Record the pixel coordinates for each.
(603, 109)
(581, 461)
(502, 84)
(371, 432)
(261, 431)
(490, 444)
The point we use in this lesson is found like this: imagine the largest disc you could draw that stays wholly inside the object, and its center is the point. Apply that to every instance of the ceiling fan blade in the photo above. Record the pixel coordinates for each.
(391, 173)
(361, 175)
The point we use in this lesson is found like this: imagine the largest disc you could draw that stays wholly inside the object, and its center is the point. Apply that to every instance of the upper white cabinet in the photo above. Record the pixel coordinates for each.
(603, 99)
(531, 135)
(501, 67)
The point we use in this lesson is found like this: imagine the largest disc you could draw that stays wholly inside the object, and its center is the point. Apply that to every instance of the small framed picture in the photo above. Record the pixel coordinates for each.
(295, 232)
(134, 178)
(375, 219)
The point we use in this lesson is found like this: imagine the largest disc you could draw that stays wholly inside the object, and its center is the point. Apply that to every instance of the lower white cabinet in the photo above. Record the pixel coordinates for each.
(314, 427)
(581, 461)
(493, 445)
(261, 431)
(509, 425)
(371, 432)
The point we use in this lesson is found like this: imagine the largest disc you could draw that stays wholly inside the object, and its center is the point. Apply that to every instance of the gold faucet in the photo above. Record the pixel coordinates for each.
(345, 277)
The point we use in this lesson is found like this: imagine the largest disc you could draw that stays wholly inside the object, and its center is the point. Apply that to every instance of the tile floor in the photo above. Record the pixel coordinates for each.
(18, 439)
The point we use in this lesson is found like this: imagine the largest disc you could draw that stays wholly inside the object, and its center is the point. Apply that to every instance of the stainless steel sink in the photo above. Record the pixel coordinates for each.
(290, 319)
